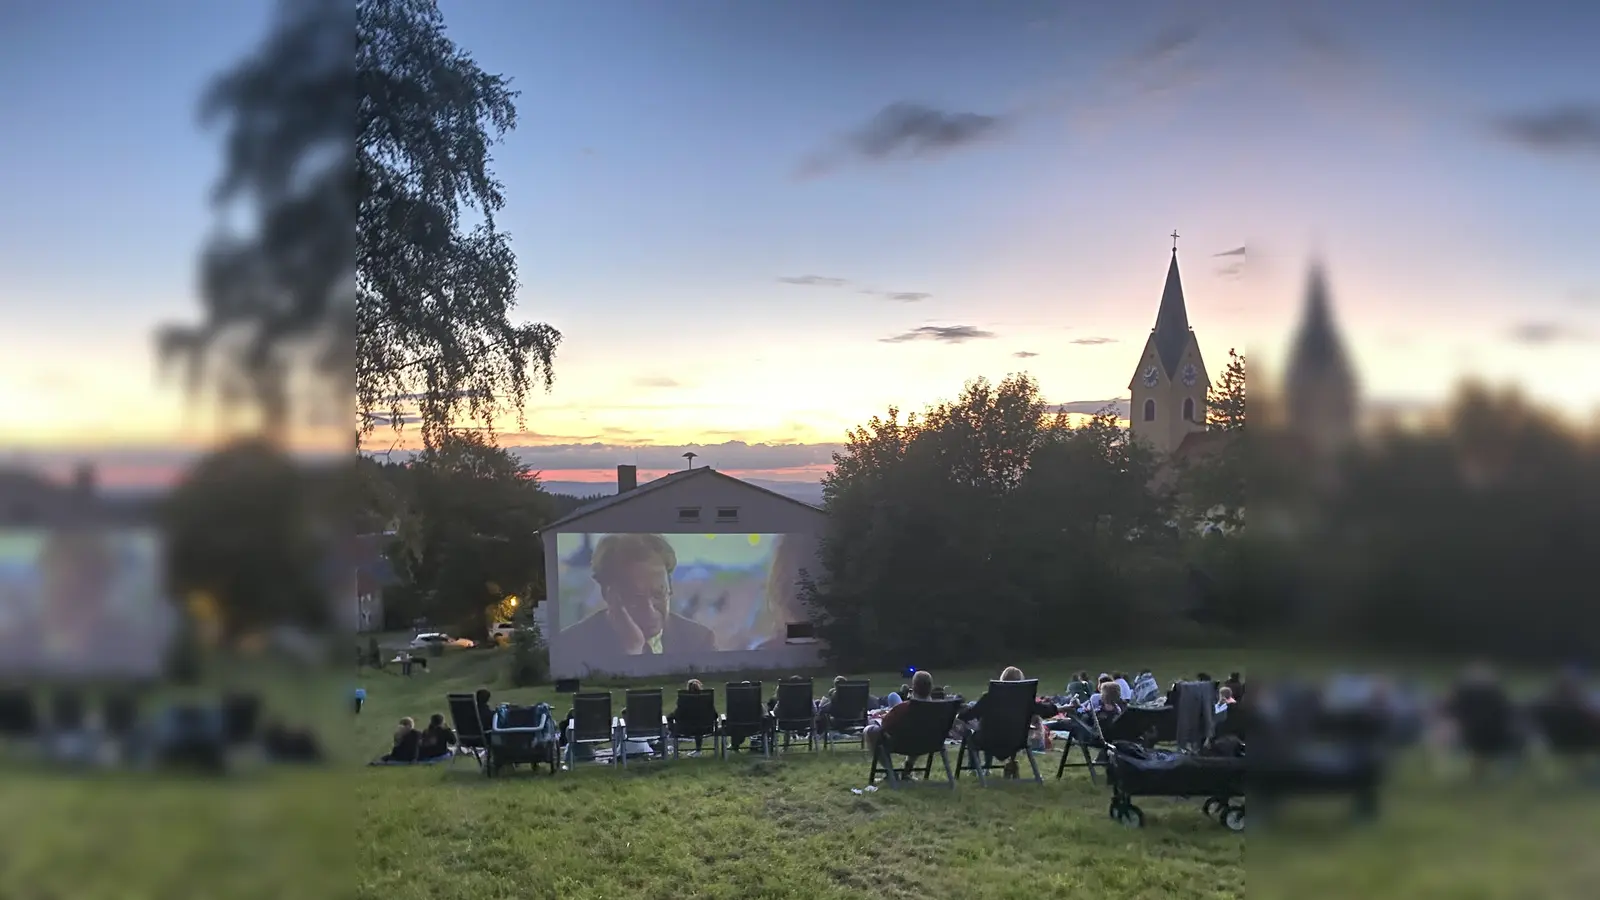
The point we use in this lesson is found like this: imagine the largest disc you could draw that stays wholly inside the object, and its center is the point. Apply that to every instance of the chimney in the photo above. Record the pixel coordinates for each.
(84, 480)
(627, 478)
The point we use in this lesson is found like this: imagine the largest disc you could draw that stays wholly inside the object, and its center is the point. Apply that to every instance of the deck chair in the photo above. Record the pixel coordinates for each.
(1571, 731)
(241, 714)
(643, 720)
(68, 712)
(923, 733)
(470, 731)
(1002, 732)
(1195, 716)
(795, 715)
(847, 714)
(19, 717)
(746, 718)
(695, 719)
(591, 724)
(1139, 725)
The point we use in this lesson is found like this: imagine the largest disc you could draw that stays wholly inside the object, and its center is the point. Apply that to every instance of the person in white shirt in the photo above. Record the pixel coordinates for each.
(1122, 684)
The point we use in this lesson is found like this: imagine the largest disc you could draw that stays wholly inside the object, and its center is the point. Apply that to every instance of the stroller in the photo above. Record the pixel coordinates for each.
(1138, 771)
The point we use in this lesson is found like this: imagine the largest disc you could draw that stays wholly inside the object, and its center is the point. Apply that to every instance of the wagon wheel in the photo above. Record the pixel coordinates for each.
(1233, 818)
(1213, 807)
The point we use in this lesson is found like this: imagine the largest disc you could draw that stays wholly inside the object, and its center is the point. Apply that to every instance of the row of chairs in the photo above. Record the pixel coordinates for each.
(792, 721)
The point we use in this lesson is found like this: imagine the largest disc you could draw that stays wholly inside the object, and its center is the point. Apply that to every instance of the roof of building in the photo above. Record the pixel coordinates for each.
(657, 484)
(1172, 320)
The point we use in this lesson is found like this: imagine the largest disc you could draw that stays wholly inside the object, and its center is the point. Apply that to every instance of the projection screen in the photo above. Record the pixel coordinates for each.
(634, 594)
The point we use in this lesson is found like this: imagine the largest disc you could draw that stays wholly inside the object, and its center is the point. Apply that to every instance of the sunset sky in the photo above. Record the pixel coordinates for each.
(765, 222)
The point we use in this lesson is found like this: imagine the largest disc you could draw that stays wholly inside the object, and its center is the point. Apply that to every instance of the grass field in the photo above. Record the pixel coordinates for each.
(747, 828)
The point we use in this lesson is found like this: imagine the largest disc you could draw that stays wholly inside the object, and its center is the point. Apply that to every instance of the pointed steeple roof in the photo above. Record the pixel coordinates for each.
(1318, 351)
(1172, 320)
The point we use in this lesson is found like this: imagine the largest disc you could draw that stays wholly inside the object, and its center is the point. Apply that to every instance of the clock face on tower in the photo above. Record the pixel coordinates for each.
(1190, 375)
(1150, 377)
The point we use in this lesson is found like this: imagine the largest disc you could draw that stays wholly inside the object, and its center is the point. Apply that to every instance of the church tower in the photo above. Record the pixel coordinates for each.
(1319, 386)
(1170, 383)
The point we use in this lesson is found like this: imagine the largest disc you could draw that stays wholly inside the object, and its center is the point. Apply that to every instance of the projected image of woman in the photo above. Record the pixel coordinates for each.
(634, 573)
(783, 604)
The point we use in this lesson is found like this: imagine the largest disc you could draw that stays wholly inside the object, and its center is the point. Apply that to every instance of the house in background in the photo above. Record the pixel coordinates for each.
(373, 575)
(728, 556)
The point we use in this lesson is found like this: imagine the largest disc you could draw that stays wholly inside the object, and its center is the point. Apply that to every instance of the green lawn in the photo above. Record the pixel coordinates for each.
(748, 828)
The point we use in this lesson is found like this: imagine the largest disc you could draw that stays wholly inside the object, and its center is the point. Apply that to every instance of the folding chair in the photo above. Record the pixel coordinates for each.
(1003, 730)
(695, 719)
(591, 723)
(1135, 724)
(19, 717)
(470, 730)
(241, 713)
(746, 718)
(796, 713)
(643, 720)
(922, 733)
(847, 714)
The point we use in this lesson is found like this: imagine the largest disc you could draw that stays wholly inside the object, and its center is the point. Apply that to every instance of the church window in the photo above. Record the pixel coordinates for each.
(1188, 409)
(1149, 410)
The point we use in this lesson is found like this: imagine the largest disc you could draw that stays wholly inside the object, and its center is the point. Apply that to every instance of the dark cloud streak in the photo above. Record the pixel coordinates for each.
(1024, 354)
(1570, 128)
(902, 132)
(813, 280)
(944, 334)
(1094, 341)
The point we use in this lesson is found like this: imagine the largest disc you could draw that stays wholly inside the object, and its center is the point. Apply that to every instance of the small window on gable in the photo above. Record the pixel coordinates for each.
(727, 514)
(1149, 410)
(688, 514)
(1188, 409)
(799, 631)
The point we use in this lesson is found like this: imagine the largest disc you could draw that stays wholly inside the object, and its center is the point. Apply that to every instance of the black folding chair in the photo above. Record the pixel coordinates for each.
(643, 720)
(1003, 730)
(847, 714)
(470, 730)
(695, 719)
(68, 713)
(796, 713)
(921, 733)
(241, 714)
(1136, 724)
(19, 717)
(746, 718)
(590, 724)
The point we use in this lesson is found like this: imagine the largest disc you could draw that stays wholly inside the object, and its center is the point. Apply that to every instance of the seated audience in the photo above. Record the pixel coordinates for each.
(1225, 699)
(1145, 688)
(1235, 683)
(1484, 715)
(693, 686)
(438, 739)
(1122, 682)
(1079, 688)
(1107, 704)
(921, 689)
(485, 712)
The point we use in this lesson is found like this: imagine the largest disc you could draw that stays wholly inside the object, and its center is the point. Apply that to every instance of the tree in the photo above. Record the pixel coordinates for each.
(248, 530)
(363, 268)
(1225, 401)
(477, 512)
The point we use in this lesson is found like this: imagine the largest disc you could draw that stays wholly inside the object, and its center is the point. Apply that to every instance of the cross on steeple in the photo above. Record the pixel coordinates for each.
(1174, 240)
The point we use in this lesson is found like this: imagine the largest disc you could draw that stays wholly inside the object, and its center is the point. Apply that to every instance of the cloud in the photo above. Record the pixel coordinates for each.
(814, 280)
(1094, 341)
(724, 455)
(1024, 354)
(1237, 251)
(944, 334)
(902, 296)
(1231, 272)
(657, 381)
(1091, 407)
(1168, 44)
(1540, 334)
(1571, 128)
(904, 131)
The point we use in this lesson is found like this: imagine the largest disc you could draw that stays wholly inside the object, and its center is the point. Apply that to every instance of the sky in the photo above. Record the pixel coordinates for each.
(758, 224)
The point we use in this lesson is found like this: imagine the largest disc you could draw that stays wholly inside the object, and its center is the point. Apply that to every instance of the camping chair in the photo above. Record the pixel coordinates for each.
(746, 718)
(68, 714)
(469, 729)
(19, 717)
(926, 727)
(643, 720)
(695, 719)
(1004, 730)
(1139, 725)
(591, 723)
(1571, 731)
(796, 712)
(240, 715)
(847, 714)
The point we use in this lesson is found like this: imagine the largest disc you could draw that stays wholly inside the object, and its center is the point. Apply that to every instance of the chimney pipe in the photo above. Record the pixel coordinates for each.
(627, 478)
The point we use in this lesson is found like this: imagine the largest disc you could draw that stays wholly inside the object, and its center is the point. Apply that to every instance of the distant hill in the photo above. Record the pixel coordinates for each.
(804, 491)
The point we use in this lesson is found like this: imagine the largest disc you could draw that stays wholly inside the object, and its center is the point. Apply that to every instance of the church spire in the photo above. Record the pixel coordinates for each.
(1172, 319)
(1318, 352)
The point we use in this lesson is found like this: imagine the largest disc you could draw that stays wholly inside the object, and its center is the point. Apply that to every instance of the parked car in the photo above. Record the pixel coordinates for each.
(502, 633)
(438, 638)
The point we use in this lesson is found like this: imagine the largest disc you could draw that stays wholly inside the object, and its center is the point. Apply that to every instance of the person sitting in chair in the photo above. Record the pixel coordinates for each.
(693, 686)
(973, 714)
(921, 689)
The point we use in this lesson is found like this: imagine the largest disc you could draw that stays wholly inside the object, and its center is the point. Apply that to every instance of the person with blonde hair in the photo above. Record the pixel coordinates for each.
(974, 712)
(407, 741)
